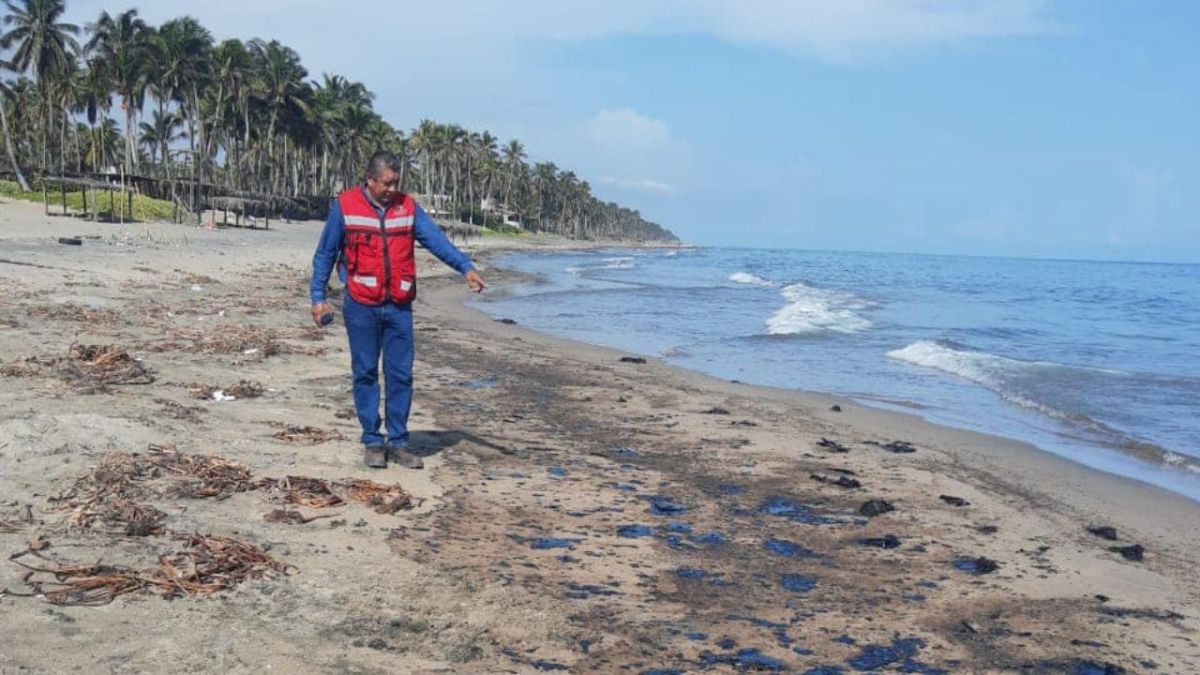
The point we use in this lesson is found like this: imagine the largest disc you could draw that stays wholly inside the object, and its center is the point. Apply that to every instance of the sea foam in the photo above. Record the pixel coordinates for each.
(817, 310)
(1007, 377)
(750, 279)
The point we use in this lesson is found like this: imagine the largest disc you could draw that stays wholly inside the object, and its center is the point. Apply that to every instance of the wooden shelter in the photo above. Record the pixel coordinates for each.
(95, 186)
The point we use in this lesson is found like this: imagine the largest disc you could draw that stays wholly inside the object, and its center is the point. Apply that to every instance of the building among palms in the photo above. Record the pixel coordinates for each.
(492, 207)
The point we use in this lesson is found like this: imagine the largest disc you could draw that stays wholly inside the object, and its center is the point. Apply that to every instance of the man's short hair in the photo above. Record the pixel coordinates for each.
(383, 159)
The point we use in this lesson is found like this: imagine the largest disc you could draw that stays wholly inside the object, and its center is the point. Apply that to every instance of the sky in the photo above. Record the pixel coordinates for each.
(1031, 128)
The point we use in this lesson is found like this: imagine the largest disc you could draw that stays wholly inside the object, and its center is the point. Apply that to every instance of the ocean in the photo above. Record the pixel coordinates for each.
(1096, 361)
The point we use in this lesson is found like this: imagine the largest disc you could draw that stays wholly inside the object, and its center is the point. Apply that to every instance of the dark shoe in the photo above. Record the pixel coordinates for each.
(375, 456)
(401, 455)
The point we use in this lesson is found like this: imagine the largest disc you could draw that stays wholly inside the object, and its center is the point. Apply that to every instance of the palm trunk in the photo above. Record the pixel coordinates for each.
(129, 149)
(8, 148)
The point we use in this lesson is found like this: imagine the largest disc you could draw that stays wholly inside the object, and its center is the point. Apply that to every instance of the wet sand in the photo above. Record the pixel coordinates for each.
(578, 512)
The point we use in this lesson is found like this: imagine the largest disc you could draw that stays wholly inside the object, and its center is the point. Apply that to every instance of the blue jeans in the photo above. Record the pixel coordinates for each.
(385, 328)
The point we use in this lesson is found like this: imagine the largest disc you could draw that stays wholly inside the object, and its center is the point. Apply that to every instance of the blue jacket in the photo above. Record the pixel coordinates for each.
(329, 248)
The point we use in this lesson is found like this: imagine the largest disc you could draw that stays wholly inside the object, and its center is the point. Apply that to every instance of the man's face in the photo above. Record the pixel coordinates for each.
(383, 187)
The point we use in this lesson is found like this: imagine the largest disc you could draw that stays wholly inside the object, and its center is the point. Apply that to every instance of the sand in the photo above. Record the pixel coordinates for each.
(577, 512)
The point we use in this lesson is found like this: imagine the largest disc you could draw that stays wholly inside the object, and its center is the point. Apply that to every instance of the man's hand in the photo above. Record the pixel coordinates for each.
(319, 309)
(475, 281)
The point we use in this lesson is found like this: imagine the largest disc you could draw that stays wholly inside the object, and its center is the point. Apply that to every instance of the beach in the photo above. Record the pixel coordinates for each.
(582, 509)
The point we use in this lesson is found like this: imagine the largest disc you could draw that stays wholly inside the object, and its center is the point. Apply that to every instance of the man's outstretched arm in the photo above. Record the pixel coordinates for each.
(435, 241)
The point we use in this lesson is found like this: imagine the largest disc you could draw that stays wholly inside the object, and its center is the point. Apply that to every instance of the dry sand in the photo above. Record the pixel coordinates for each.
(543, 457)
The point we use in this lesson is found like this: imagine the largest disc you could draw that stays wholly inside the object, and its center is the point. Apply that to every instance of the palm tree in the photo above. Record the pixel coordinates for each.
(95, 101)
(424, 142)
(183, 63)
(6, 94)
(283, 83)
(514, 166)
(157, 135)
(45, 46)
(124, 44)
(231, 73)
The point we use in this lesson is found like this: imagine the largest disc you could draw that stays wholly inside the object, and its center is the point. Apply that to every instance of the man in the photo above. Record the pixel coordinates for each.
(370, 232)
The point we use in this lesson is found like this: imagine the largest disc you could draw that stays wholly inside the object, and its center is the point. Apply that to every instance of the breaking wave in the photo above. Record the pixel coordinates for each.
(750, 279)
(817, 310)
(1044, 387)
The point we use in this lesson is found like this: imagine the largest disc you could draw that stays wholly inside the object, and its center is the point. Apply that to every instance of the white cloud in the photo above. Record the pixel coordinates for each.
(624, 130)
(627, 147)
(638, 185)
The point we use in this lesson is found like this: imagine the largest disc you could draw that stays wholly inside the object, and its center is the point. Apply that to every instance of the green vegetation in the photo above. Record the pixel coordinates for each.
(170, 102)
(144, 208)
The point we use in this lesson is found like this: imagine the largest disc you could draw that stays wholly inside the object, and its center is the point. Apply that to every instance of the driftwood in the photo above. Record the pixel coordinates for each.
(88, 368)
(106, 500)
(384, 498)
(203, 566)
(304, 491)
(243, 389)
(307, 435)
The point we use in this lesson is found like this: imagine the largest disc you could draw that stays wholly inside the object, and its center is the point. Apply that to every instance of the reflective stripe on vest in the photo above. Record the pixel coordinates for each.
(362, 221)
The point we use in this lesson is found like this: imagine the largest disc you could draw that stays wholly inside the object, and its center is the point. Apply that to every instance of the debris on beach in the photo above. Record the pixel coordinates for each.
(664, 506)
(99, 495)
(129, 517)
(875, 507)
(201, 476)
(888, 541)
(304, 491)
(841, 481)
(292, 517)
(832, 446)
(126, 476)
(788, 549)
(93, 317)
(105, 364)
(743, 659)
(243, 389)
(87, 368)
(716, 410)
(1104, 532)
(632, 359)
(307, 435)
(8, 526)
(250, 341)
(108, 500)
(202, 566)
(898, 447)
(386, 499)
(902, 650)
(178, 411)
(980, 565)
(1134, 552)
(954, 501)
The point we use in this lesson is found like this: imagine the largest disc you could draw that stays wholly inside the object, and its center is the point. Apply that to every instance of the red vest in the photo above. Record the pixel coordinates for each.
(378, 252)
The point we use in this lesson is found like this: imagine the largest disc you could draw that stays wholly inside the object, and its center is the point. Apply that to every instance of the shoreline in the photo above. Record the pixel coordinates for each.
(1138, 461)
(577, 512)
(1041, 468)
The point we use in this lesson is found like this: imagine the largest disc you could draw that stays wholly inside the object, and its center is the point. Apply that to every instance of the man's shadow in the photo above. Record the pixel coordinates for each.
(427, 443)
